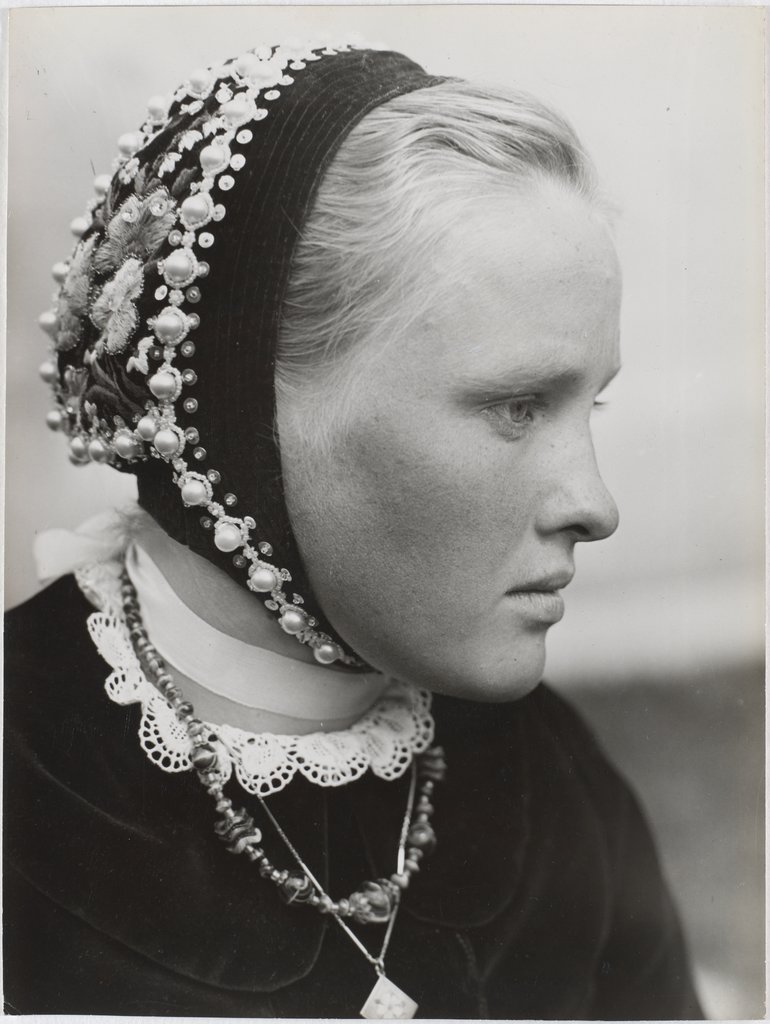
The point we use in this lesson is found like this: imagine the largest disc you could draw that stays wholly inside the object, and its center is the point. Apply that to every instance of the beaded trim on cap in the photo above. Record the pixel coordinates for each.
(120, 244)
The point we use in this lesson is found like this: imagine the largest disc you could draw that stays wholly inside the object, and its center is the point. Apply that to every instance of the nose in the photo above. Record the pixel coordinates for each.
(577, 501)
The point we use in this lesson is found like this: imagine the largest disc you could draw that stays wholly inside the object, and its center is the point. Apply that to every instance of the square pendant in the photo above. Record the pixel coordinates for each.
(387, 1002)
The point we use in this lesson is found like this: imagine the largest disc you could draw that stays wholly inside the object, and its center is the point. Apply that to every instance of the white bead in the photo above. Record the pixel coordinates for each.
(126, 446)
(214, 158)
(200, 79)
(128, 143)
(247, 65)
(48, 372)
(98, 451)
(227, 537)
(179, 267)
(326, 653)
(102, 184)
(79, 226)
(262, 580)
(147, 428)
(157, 108)
(59, 272)
(53, 419)
(166, 442)
(196, 210)
(170, 325)
(235, 111)
(163, 384)
(49, 323)
(78, 448)
(292, 621)
(194, 492)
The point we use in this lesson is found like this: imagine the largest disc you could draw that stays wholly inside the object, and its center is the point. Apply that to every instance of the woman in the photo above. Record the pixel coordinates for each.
(346, 322)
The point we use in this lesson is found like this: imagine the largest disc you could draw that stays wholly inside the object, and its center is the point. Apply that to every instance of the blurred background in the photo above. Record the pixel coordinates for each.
(663, 639)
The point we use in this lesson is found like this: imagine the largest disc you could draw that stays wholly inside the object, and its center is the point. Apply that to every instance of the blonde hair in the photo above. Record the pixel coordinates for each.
(373, 223)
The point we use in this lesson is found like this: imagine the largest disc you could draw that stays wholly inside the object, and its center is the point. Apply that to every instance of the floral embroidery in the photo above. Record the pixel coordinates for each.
(114, 312)
(138, 229)
(73, 298)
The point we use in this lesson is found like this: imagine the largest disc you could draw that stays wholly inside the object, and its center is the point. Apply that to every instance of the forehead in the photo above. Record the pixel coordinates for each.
(523, 275)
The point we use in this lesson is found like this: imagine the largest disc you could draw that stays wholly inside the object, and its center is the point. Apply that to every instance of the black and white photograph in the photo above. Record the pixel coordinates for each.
(384, 512)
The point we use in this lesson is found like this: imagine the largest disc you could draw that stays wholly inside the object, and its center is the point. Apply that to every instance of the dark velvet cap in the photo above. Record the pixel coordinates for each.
(281, 162)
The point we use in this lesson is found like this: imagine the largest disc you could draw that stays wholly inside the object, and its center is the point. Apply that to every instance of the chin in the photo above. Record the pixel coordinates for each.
(496, 674)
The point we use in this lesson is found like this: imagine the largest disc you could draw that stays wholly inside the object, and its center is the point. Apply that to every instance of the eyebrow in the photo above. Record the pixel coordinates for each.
(533, 379)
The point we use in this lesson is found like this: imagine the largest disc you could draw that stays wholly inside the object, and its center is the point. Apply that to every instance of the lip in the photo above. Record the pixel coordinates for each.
(541, 599)
(542, 605)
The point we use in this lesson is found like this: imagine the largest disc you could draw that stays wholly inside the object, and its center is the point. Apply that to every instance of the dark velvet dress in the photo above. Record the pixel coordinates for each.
(543, 899)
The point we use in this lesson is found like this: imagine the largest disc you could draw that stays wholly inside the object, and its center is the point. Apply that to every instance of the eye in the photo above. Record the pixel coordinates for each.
(514, 416)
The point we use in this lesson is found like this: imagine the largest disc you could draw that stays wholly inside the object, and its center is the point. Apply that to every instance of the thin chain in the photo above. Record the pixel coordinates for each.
(377, 962)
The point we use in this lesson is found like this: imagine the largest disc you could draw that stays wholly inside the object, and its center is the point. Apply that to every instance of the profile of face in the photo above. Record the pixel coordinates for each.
(438, 524)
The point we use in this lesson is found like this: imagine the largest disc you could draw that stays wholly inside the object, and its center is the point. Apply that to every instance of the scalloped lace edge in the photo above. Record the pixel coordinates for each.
(398, 726)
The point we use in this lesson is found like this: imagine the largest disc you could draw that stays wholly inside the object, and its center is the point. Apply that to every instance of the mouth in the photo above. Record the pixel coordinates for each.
(541, 599)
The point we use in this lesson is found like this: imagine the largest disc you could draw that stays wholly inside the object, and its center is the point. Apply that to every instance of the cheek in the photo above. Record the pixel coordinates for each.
(408, 529)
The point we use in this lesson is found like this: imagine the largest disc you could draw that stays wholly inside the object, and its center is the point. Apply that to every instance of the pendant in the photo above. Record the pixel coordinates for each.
(387, 1002)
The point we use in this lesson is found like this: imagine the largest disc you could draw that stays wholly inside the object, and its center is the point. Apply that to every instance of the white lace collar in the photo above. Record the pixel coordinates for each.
(385, 738)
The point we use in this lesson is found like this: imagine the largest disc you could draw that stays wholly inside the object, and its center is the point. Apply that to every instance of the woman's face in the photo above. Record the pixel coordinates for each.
(439, 525)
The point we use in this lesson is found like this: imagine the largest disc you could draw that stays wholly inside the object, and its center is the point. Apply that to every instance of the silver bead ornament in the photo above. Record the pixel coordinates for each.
(214, 157)
(195, 492)
(59, 272)
(147, 428)
(53, 420)
(49, 323)
(170, 326)
(200, 80)
(48, 372)
(79, 226)
(157, 108)
(98, 451)
(167, 442)
(102, 184)
(163, 385)
(227, 537)
(197, 210)
(326, 654)
(292, 621)
(126, 446)
(262, 580)
(129, 143)
(78, 448)
(179, 269)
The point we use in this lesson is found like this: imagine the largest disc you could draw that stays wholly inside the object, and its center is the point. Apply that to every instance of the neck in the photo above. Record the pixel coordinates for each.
(255, 692)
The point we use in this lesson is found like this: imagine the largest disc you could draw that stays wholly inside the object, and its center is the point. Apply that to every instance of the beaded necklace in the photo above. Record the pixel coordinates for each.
(375, 902)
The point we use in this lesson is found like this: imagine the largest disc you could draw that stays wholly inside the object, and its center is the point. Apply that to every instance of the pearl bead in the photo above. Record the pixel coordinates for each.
(162, 384)
(214, 158)
(262, 580)
(126, 446)
(200, 79)
(79, 226)
(53, 419)
(179, 267)
(292, 621)
(49, 323)
(235, 110)
(78, 448)
(169, 326)
(196, 210)
(128, 143)
(59, 272)
(326, 654)
(98, 451)
(247, 65)
(48, 371)
(194, 492)
(227, 536)
(157, 107)
(147, 428)
(166, 442)
(102, 184)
